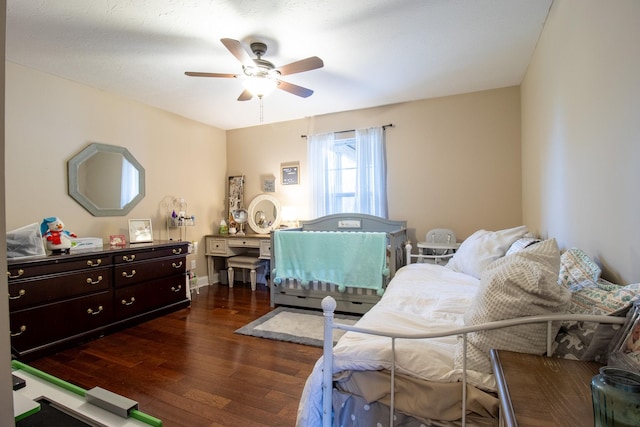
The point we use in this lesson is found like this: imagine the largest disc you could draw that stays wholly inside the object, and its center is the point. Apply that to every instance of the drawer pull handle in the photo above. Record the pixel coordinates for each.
(131, 301)
(178, 265)
(128, 258)
(177, 251)
(93, 313)
(20, 294)
(178, 289)
(129, 276)
(22, 329)
(94, 264)
(20, 273)
(90, 281)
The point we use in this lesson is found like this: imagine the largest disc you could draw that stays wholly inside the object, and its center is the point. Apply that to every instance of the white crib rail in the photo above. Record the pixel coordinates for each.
(329, 306)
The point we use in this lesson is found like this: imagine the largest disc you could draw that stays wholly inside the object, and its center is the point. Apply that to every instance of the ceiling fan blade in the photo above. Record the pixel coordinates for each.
(307, 64)
(245, 95)
(197, 74)
(295, 89)
(238, 51)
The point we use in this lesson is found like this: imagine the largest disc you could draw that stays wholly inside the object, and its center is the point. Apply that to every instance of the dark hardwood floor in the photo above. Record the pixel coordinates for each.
(188, 368)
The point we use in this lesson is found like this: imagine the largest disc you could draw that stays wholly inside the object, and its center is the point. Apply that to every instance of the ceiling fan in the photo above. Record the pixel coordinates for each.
(260, 76)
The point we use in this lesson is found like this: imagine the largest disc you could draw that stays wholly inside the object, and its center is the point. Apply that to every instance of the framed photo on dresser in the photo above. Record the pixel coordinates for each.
(140, 231)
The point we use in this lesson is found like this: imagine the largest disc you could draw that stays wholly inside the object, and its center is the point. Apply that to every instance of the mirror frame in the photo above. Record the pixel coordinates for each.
(86, 153)
(252, 213)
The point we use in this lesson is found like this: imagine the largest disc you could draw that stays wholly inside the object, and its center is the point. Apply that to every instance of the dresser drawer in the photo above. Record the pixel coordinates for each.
(240, 242)
(127, 257)
(216, 246)
(265, 248)
(49, 323)
(27, 293)
(56, 265)
(137, 299)
(133, 273)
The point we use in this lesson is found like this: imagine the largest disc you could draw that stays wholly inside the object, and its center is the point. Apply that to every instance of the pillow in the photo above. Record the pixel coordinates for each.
(577, 269)
(521, 243)
(588, 340)
(482, 248)
(522, 284)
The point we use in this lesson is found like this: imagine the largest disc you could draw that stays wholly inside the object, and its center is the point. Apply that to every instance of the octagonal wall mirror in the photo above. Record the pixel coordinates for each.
(265, 214)
(106, 180)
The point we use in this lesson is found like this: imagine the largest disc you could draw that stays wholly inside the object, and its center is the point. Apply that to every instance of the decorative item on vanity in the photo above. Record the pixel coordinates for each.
(240, 216)
(235, 197)
(265, 214)
(58, 239)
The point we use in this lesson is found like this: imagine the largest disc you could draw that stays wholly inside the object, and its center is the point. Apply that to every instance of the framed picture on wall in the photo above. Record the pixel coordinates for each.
(290, 173)
(236, 196)
(140, 231)
(268, 184)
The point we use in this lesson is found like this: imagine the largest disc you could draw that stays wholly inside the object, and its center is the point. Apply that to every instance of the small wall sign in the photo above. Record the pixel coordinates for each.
(269, 184)
(290, 173)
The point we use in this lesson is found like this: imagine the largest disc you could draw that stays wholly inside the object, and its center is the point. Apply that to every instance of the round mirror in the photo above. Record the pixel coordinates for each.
(106, 180)
(264, 214)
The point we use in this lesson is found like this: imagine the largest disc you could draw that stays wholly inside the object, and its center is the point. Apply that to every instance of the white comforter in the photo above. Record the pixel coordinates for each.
(421, 298)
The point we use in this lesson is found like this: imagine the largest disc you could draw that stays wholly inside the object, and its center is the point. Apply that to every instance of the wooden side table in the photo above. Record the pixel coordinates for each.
(543, 391)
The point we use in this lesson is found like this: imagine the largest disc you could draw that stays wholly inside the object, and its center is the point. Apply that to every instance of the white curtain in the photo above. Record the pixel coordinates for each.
(319, 155)
(371, 173)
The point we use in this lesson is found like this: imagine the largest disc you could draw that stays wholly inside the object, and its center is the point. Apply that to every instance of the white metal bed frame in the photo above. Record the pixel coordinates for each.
(329, 306)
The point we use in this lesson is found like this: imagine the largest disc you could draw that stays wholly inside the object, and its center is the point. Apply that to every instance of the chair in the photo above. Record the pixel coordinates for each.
(439, 244)
(250, 263)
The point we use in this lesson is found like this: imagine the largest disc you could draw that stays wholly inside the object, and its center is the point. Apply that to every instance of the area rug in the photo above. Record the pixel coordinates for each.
(294, 325)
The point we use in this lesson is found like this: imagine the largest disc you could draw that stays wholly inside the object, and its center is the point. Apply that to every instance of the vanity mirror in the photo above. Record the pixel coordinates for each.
(106, 180)
(264, 214)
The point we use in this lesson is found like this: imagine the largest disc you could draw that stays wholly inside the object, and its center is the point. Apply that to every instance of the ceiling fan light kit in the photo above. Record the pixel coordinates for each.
(260, 77)
(259, 85)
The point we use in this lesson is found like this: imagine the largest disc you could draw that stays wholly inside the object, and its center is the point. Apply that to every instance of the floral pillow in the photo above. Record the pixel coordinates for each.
(577, 269)
(588, 340)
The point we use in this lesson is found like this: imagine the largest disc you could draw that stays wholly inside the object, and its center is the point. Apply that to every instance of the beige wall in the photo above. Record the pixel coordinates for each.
(49, 120)
(452, 162)
(581, 132)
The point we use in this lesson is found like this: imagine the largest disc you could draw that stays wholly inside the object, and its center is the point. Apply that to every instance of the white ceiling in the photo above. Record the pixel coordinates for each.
(376, 52)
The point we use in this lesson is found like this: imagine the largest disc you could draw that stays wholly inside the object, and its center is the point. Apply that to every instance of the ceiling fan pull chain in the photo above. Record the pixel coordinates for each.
(261, 110)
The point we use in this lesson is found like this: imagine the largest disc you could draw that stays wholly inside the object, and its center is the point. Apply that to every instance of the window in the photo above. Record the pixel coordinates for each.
(348, 173)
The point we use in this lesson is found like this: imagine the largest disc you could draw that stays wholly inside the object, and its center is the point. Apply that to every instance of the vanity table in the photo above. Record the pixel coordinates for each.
(60, 300)
(220, 247)
(264, 216)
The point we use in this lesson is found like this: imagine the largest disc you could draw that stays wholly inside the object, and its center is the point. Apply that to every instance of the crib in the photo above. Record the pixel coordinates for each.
(357, 297)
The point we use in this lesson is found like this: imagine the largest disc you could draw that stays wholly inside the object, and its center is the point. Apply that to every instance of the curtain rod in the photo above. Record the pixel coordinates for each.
(390, 125)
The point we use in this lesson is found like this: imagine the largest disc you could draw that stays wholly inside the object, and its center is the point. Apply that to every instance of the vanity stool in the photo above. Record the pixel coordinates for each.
(246, 263)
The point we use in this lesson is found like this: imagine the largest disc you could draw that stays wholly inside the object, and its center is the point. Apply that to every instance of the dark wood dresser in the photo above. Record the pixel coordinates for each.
(539, 391)
(60, 300)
